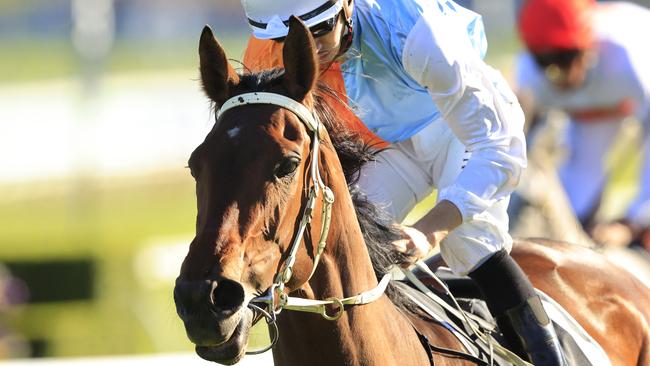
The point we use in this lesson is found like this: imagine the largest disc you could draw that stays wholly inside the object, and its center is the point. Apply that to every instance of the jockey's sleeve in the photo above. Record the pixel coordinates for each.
(478, 105)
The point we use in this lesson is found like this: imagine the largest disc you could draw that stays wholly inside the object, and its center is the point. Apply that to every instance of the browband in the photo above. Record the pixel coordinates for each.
(300, 110)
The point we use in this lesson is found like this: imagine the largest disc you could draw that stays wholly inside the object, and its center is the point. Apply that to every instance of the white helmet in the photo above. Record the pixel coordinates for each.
(270, 18)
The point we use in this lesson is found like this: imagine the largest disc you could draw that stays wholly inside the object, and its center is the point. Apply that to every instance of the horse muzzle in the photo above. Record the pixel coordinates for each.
(234, 348)
(215, 317)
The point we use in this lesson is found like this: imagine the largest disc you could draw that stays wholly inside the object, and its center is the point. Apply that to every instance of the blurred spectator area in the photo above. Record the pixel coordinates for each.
(160, 20)
(149, 34)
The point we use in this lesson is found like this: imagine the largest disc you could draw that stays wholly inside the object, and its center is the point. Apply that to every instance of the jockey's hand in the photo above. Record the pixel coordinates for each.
(415, 245)
(437, 223)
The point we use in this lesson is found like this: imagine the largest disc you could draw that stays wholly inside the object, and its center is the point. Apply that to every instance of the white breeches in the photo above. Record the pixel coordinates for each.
(408, 172)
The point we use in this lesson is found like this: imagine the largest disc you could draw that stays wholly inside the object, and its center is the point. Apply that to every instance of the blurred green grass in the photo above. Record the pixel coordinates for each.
(92, 214)
(40, 59)
(108, 221)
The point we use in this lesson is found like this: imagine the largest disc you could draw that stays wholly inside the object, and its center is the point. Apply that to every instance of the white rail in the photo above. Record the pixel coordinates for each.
(155, 360)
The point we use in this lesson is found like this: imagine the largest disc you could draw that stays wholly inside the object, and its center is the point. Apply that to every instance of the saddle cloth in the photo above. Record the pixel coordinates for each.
(579, 347)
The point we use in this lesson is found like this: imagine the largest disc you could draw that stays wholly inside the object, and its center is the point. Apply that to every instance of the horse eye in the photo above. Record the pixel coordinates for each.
(287, 166)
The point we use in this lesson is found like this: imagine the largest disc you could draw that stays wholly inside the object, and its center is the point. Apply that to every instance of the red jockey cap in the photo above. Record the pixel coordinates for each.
(556, 24)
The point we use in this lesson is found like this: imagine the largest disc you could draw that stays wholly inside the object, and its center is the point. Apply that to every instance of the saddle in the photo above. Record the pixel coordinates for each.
(456, 303)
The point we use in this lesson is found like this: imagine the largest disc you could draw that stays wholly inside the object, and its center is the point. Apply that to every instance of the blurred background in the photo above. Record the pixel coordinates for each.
(100, 107)
(99, 110)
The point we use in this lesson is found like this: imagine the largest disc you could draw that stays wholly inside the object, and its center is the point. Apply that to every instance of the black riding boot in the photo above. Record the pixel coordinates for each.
(534, 332)
(519, 312)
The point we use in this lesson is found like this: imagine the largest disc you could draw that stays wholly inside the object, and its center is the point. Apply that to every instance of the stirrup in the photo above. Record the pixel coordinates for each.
(535, 331)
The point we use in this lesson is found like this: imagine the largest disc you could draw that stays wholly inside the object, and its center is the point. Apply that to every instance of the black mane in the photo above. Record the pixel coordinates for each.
(377, 227)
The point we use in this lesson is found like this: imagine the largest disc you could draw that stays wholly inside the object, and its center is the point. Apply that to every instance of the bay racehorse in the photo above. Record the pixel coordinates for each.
(276, 217)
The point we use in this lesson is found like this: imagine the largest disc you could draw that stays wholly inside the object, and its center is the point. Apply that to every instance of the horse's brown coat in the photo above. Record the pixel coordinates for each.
(612, 305)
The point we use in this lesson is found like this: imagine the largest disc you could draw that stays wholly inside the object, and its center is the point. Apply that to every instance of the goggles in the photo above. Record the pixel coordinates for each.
(561, 59)
(320, 29)
(324, 27)
(271, 20)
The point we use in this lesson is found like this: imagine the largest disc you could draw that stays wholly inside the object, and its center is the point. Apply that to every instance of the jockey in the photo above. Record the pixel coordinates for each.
(591, 61)
(413, 73)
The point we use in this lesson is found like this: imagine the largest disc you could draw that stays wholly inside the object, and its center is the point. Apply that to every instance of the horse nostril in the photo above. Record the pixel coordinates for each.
(228, 295)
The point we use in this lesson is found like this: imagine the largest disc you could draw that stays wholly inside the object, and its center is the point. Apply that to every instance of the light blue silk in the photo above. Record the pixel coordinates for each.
(384, 96)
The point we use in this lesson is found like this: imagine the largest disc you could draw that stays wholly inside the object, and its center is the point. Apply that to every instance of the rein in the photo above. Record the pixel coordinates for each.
(275, 299)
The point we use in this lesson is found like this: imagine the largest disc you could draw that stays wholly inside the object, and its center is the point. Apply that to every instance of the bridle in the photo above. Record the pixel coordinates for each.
(275, 299)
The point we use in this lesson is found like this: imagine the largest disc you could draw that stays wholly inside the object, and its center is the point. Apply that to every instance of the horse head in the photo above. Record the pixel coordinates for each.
(252, 176)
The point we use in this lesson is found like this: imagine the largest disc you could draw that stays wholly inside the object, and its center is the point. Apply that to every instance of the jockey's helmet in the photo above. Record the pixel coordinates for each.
(270, 19)
(553, 25)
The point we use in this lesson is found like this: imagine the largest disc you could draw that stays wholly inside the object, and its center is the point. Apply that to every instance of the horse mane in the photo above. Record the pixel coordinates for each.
(377, 227)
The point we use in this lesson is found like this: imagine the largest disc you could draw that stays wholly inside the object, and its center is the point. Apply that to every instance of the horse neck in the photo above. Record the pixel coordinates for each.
(346, 266)
(372, 334)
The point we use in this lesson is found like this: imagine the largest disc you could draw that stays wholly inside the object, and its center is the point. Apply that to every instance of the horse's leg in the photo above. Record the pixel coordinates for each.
(611, 305)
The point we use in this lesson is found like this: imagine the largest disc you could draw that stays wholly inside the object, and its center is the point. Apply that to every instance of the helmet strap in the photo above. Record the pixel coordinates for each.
(346, 36)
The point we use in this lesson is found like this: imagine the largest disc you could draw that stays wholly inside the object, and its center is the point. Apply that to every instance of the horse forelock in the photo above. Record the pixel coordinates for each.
(350, 147)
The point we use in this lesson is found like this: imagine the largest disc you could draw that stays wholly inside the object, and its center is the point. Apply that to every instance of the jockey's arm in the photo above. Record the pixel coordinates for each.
(480, 109)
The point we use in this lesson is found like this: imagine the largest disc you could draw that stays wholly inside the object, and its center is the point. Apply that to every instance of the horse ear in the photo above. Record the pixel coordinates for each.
(217, 76)
(300, 60)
